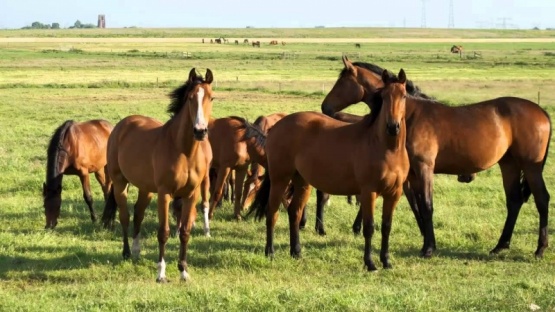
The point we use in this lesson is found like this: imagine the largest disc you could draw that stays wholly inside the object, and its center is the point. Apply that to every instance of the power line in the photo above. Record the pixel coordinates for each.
(423, 19)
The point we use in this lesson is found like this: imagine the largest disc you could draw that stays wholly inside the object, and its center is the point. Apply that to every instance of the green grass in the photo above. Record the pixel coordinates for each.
(78, 266)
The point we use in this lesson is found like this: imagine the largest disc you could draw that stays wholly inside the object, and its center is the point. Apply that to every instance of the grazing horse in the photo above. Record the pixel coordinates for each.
(301, 144)
(273, 42)
(256, 44)
(218, 40)
(236, 42)
(357, 45)
(168, 159)
(76, 148)
(513, 132)
(456, 49)
(283, 43)
(246, 41)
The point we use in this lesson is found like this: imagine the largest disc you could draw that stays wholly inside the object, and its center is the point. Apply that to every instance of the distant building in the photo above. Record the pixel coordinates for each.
(101, 21)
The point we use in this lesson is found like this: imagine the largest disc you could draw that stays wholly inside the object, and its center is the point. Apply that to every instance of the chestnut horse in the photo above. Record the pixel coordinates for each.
(168, 159)
(302, 144)
(76, 148)
(513, 132)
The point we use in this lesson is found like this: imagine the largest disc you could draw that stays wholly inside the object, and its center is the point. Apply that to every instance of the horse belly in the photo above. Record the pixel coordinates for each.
(325, 175)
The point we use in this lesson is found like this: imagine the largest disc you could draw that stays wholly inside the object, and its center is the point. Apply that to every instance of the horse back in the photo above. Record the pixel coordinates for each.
(86, 143)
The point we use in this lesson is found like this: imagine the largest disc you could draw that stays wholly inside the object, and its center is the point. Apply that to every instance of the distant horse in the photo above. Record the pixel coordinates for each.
(168, 159)
(202, 40)
(456, 49)
(357, 45)
(76, 148)
(283, 43)
(236, 42)
(211, 41)
(513, 132)
(256, 44)
(273, 42)
(302, 144)
(218, 40)
(246, 41)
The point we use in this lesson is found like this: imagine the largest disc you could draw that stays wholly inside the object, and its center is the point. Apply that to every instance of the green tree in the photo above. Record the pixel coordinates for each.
(55, 25)
(77, 24)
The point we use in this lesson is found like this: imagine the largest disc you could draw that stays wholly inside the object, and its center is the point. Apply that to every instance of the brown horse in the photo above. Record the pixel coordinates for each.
(273, 42)
(168, 159)
(256, 174)
(230, 153)
(514, 132)
(256, 44)
(301, 144)
(76, 148)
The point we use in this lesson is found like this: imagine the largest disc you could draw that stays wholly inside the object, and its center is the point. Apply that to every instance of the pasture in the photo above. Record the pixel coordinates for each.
(78, 266)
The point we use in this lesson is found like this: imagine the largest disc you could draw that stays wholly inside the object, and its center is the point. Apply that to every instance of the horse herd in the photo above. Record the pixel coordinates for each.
(396, 149)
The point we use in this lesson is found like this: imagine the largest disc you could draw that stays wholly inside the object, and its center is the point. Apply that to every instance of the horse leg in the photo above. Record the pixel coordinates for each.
(301, 193)
(138, 215)
(231, 184)
(223, 172)
(510, 171)
(367, 204)
(120, 195)
(187, 218)
(85, 183)
(204, 194)
(240, 174)
(422, 184)
(321, 200)
(163, 232)
(389, 204)
(411, 198)
(277, 189)
(534, 177)
(349, 199)
(104, 181)
(357, 224)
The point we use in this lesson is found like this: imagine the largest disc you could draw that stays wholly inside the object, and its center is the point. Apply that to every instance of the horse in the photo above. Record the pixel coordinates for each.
(218, 40)
(273, 42)
(230, 153)
(236, 42)
(303, 143)
(168, 159)
(256, 44)
(76, 148)
(357, 45)
(515, 134)
(283, 43)
(456, 49)
(246, 41)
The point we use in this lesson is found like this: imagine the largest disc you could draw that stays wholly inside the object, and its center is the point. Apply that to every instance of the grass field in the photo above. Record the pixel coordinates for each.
(78, 266)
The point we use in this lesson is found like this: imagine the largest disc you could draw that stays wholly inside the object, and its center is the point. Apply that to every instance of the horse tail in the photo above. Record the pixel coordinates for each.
(260, 204)
(524, 185)
(110, 208)
(55, 152)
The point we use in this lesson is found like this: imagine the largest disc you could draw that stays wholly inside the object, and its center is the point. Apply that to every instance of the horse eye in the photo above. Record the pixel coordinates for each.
(211, 99)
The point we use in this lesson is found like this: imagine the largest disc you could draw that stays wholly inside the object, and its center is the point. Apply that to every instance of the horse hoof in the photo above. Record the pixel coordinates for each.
(162, 280)
(387, 266)
(371, 267)
(356, 231)
(321, 232)
(539, 254)
(426, 253)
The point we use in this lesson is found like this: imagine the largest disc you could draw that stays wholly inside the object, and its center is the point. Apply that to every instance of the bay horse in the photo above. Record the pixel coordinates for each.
(256, 44)
(168, 159)
(303, 143)
(76, 148)
(514, 132)
(229, 154)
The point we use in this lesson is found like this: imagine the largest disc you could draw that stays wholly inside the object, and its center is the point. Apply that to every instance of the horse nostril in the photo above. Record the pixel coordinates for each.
(393, 128)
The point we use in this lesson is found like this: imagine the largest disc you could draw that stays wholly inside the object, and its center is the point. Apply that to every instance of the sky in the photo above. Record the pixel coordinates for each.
(522, 14)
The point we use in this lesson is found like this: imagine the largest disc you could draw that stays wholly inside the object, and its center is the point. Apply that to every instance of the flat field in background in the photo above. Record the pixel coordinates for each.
(78, 266)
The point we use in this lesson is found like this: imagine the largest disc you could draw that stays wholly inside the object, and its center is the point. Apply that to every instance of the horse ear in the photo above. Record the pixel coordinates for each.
(402, 76)
(348, 65)
(385, 77)
(209, 77)
(192, 75)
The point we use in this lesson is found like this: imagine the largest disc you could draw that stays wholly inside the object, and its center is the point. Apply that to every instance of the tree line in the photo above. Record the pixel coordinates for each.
(39, 25)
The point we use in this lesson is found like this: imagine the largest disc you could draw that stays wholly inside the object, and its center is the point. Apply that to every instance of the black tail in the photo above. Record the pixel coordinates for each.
(524, 186)
(110, 208)
(260, 203)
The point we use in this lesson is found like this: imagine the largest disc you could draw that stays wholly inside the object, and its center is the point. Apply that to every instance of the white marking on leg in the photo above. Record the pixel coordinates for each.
(328, 203)
(136, 248)
(206, 209)
(185, 276)
(161, 270)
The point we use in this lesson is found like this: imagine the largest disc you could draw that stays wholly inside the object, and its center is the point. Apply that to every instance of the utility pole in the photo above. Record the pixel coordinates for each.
(423, 18)
(451, 23)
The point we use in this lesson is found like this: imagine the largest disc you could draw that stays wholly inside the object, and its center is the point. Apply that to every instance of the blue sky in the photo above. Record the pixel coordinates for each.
(522, 14)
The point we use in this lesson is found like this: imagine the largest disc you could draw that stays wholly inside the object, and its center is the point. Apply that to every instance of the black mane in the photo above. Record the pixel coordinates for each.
(178, 96)
(412, 89)
(54, 148)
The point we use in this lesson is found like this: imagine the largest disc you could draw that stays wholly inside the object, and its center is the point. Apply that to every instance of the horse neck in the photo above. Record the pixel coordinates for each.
(181, 133)
(371, 82)
(57, 162)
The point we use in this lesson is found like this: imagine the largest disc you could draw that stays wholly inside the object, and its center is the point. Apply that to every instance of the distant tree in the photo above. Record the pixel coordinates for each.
(77, 24)
(55, 25)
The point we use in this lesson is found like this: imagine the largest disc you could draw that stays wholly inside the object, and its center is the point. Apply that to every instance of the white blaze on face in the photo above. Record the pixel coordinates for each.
(200, 121)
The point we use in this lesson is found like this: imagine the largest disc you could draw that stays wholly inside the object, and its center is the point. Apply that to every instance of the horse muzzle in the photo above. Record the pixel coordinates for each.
(393, 128)
(200, 134)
